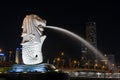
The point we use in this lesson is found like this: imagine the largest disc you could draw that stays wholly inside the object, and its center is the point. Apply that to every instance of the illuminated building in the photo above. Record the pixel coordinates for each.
(91, 33)
(110, 60)
(18, 57)
(2, 57)
(91, 38)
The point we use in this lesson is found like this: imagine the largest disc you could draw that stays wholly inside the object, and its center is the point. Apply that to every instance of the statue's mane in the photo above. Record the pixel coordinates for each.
(29, 23)
(33, 16)
(38, 18)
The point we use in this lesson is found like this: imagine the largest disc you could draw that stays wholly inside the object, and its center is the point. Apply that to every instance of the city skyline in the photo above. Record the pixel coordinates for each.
(70, 15)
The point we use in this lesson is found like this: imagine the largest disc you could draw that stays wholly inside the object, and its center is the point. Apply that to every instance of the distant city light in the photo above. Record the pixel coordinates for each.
(0, 50)
(2, 54)
(74, 61)
(62, 53)
(10, 52)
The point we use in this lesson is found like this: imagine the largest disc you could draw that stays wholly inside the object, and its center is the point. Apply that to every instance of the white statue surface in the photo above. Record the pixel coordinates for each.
(33, 38)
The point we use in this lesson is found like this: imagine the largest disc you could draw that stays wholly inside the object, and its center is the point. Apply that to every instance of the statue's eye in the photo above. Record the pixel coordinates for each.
(40, 26)
(36, 56)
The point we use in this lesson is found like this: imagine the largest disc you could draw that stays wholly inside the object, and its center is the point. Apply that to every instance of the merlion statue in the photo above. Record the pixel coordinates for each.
(33, 38)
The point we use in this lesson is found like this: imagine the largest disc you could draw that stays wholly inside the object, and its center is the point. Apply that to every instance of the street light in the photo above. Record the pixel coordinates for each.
(87, 65)
(95, 66)
(74, 61)
(58, 59)
(58, 62)
(103, 68)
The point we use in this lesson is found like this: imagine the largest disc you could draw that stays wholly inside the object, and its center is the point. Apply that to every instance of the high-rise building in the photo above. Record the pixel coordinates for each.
(91, 33)
(91, 38)
(18, 57)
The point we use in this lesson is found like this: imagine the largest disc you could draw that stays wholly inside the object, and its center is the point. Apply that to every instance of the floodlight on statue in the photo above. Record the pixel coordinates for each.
(33, 38)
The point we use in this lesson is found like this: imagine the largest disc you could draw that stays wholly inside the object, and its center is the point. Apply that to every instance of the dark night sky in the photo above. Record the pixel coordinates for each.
(69, 14)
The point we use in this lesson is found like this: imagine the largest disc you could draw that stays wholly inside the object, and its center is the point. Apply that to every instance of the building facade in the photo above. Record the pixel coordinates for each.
(92, 39)
(18, 57)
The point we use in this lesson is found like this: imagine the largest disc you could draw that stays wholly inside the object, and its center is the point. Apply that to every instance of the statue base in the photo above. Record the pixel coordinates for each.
(43, 67)
(41, 71)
